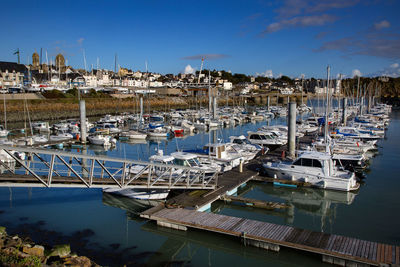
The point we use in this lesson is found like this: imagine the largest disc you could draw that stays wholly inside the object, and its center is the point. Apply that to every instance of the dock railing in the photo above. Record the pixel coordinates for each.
(34, 167)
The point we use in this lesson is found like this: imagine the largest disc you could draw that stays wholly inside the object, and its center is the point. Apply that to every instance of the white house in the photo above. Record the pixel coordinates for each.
(227, 86)
(137, 74)
(91, 80)
(156, 84)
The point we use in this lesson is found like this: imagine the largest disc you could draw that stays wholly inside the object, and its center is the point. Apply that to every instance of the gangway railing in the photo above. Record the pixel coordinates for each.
(34, 167)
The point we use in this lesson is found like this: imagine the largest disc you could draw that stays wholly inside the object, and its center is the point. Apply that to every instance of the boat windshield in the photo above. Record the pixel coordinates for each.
(194, 162)
(308, 162)
(241, 141)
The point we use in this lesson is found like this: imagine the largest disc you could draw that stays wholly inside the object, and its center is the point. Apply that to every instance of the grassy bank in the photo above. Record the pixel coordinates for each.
(63, 108)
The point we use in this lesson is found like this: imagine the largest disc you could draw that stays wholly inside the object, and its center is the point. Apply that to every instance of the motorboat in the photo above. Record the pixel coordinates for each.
(41, 126)
(150, 194)
(355, 133)
(192, 160)
(267, 139)
(3, 131)
(159, 131)
(60, 136)
(39, 139)
(101, 140)
(132, 134)
(219, 153)
(315, 168)
(244, 147)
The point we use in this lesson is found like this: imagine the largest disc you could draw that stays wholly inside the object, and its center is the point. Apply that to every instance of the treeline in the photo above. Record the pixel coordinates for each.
(238, 78)
(372, 86)
(73, 93)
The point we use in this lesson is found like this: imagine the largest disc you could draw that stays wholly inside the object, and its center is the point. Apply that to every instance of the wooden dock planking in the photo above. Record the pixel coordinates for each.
(360, 248)
(276, 232)
(372, 251)
(267, 229)
(341, 247)
(226, 182)
(378, 253)
(284, 234)
(366, 250)
(388, 254)
(331, 242)
(242, 227)
(258, 229)
(313, 239)
(345, 243)
(324, 241)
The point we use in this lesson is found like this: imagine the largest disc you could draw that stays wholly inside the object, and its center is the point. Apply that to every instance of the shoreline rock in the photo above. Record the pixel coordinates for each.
(15, 251)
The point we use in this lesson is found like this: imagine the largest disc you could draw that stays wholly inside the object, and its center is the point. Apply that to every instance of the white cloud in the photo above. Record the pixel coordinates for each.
(382, 25)
(189, 70)
(267, 73)
(391, 71)
(303, 21)
(80, 40)
(356, 72)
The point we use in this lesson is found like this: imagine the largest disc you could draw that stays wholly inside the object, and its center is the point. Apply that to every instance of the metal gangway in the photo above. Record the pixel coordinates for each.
(34, 167)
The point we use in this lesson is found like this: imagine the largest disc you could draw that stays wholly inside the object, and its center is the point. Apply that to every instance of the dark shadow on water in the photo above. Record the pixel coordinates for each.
(80, 242)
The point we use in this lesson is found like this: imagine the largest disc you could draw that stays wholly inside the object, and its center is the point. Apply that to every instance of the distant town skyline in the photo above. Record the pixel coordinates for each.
(265, 38)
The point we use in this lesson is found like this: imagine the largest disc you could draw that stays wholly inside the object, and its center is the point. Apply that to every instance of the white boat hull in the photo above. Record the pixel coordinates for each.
(151, 194)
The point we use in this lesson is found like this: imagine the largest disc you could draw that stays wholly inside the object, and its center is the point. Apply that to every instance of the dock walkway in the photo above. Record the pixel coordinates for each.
(336, 249)
(227, 184)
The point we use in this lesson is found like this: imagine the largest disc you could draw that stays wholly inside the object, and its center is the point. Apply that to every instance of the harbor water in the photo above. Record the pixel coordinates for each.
(107, 229)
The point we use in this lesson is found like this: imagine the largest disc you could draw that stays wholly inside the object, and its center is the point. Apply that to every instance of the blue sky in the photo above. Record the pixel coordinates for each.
(289, 37)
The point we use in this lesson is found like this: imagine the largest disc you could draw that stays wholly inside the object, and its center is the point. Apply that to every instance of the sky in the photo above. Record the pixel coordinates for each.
(265, 38)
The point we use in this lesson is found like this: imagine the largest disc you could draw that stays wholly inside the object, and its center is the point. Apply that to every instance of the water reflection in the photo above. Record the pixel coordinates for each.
(132, 206)
(304, 203)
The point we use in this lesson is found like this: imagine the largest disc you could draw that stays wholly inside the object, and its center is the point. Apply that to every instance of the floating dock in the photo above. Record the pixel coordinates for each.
(335, 249)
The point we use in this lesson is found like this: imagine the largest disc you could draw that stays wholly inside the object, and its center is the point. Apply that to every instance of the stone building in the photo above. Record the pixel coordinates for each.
(35, 61)
(11, 74)
(60, 62)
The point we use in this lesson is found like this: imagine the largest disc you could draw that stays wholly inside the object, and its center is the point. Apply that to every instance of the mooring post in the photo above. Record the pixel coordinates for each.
(141, 109)
(82, 111)
(369, 104)
(268, 103)
(344, 115)
(215, 108)
(292, 129)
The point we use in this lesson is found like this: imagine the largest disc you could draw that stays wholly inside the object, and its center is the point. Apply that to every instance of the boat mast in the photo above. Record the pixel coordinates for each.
(48, 70)
(327, 104)
(302, 89)
(358, 89)
(209, 93)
